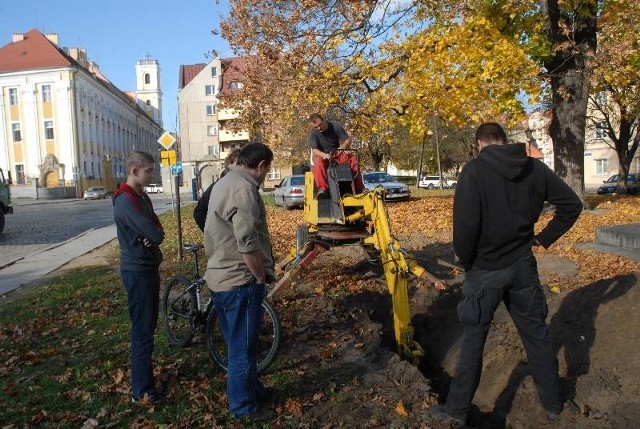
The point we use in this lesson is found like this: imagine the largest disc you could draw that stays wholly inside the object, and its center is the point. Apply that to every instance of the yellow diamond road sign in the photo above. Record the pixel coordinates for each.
(166, 140)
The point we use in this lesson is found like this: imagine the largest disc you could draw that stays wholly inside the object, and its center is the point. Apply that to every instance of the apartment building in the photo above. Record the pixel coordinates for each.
(206, 133)
(204, 141)
(63, 122)
(600, 159)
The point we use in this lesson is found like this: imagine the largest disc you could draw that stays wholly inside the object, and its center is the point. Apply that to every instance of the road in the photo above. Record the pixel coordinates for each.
(37, 225)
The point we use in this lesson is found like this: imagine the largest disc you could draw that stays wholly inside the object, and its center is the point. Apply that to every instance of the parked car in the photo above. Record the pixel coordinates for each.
(394, 190)
(95, 193)
(431, 182)
(290, 192)
(610, 186)
(153, 188)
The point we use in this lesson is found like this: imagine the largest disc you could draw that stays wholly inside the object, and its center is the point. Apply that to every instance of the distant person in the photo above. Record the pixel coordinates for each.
(325, 137)
(239, 264)
(498, 200)
(139, 234)
(200, 212)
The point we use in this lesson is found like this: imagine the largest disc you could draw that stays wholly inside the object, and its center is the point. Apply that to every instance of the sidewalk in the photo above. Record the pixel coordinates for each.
(37, 265)
(30, 201)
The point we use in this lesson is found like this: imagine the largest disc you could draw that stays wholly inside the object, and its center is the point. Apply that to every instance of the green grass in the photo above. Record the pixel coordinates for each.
(64, 357)
(423, 192)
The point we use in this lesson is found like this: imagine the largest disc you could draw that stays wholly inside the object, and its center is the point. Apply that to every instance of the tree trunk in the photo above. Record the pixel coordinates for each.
(624, 152)
(567, 128)
(569, 72)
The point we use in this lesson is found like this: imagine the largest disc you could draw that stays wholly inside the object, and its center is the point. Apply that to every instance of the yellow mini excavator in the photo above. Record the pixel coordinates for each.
(348, 218)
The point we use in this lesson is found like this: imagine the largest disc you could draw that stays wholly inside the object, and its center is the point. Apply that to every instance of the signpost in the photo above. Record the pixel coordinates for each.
(168, 157)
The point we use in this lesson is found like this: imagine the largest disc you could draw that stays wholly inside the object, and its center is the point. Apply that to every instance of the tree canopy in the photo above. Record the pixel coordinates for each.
(383, 64)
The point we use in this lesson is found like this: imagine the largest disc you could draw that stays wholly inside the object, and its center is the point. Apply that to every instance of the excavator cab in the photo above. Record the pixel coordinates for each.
(329, 219)
(348, 217)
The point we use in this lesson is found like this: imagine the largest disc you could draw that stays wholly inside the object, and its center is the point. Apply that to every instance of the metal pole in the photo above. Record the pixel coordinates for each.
(424, 140)
(435, 130)
(176, 180)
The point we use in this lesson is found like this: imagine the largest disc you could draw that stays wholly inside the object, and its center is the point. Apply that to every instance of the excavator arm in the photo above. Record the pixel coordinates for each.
(395, 261)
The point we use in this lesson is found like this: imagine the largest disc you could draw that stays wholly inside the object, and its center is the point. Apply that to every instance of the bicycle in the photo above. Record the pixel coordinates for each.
(186, 313)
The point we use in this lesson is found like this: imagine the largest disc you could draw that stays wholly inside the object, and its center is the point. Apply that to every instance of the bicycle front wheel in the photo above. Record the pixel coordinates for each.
(268, 339)
(179, 307)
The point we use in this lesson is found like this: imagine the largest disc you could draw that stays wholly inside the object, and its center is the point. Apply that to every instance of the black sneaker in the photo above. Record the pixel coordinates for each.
(569, 408)
(262, 415)
(147, 399)
(438, 413)
(323, 194)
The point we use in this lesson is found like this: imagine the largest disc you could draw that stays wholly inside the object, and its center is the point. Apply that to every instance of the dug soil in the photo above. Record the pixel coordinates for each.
(339, 334)
(339, 352)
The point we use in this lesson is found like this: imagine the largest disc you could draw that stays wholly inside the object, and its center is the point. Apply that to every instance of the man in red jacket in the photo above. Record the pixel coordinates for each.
(325, 137)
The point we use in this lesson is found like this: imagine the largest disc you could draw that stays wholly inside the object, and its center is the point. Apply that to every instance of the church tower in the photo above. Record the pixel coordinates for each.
(148, 90)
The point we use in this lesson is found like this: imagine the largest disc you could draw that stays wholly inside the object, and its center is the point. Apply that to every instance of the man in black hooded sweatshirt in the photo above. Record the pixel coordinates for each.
(498, 199)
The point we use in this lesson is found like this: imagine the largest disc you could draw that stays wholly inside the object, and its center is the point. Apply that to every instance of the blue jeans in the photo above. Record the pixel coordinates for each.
(240, 316)
(518, 286)
(143, 297)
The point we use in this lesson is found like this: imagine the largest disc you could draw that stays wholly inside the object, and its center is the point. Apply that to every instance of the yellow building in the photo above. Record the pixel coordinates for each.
(62, 121)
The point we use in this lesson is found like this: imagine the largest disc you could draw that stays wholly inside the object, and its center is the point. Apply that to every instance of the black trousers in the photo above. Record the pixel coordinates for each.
(518, 286)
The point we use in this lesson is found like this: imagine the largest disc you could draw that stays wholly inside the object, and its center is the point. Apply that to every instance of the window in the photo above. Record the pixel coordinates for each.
(148, 102)
(211, 110)
(214, 71)
(213, 150)
(235, 85)
(15, 130)
(46, 93)
(601, 130)
(13, 96)
(602, 167)
(19, 174)
(212, 130)
(48, 130)
(210, 90)
(147, 78)
(274, 174)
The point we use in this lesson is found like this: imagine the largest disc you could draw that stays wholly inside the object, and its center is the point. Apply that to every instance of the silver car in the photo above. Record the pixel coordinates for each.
(290, 192)
(95, 193)
(394, 190)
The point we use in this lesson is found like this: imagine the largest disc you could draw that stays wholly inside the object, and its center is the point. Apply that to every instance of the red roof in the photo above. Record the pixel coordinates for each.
(187, 73)
(34, 52)
(232, 71)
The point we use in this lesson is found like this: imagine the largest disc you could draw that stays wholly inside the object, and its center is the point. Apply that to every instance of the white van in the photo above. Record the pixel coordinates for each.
(432, 182)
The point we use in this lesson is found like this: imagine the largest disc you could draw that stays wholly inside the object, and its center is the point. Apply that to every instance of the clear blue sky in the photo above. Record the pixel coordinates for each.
(117, 33)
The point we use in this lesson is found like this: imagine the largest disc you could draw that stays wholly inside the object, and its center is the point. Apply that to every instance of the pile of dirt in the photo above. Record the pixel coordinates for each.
(594, 330)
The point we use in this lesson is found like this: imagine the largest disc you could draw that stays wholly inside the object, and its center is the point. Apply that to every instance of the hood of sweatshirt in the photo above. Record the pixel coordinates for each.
(508, 160)
(134, 198)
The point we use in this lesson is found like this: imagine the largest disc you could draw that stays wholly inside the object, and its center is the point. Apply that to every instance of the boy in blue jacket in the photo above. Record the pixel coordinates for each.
(139, 234)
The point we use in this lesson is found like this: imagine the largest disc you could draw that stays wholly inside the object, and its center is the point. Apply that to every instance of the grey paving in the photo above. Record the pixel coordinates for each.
(625, 236)
(44, 235)
(37, 265)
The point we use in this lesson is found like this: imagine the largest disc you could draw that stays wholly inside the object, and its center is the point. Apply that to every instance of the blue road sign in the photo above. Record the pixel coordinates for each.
(176, 168)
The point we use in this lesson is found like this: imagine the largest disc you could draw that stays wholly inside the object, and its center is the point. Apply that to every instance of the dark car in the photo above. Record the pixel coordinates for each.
(394, 190)
(290, 192)
(610, 186)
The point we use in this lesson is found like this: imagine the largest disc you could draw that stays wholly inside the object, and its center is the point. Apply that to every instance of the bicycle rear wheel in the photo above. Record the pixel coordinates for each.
(268, 339)
(179, 307)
